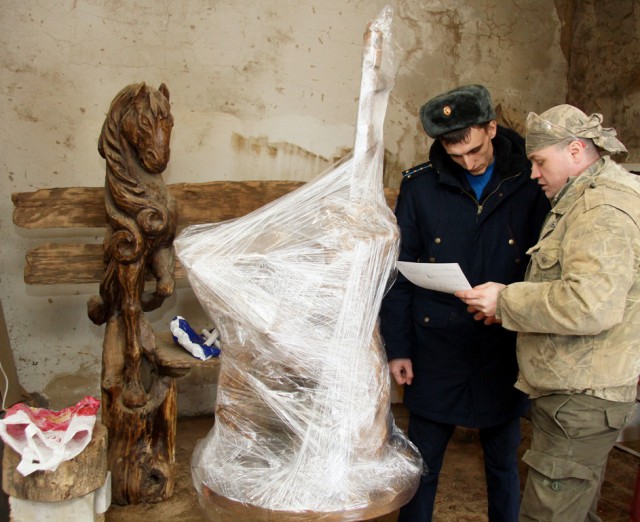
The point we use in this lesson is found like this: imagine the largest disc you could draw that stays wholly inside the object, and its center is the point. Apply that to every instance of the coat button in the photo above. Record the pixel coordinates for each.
(555, 485)
(438, 241)
(426, 319)
(432, 260)
(512, 242)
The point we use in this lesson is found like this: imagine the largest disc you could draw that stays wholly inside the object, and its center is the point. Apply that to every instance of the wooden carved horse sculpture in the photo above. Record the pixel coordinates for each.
(141, 226)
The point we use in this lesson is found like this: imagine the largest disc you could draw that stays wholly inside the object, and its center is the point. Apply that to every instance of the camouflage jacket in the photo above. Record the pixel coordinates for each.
(578, 310)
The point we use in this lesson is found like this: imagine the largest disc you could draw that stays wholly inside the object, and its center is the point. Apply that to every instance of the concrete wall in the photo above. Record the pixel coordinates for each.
(258, 89)
(604, 69)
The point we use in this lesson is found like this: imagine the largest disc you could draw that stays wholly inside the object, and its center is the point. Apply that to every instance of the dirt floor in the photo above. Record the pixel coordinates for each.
(461, 495)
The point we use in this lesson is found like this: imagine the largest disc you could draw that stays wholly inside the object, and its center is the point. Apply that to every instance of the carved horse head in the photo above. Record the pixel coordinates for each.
(139, 124)
(147, 125)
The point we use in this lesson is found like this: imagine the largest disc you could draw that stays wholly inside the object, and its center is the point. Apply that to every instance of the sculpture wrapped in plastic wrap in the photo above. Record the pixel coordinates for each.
(303, 425)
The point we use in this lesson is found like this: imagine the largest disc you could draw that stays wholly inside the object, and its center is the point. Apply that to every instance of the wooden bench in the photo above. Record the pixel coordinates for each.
(63, 261)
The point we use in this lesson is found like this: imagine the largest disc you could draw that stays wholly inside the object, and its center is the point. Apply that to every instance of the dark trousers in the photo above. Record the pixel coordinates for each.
(500, 445)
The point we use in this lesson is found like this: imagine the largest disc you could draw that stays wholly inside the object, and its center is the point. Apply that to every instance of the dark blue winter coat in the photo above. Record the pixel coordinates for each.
(464, 371)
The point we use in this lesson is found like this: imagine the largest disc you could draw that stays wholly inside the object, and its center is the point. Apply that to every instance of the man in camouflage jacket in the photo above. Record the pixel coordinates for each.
(577, 312)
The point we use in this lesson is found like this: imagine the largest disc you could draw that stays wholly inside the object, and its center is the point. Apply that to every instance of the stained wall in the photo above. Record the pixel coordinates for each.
(604, 66)
(259, 90)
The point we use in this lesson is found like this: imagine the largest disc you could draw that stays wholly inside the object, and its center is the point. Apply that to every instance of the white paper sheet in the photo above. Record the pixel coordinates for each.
(443, 277)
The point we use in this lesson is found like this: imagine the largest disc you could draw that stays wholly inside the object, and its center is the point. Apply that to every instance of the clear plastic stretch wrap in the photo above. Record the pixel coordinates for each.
(303, 426)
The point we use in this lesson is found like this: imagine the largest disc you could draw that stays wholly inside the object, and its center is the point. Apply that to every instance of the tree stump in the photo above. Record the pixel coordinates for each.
(78, 490)
(83, 474)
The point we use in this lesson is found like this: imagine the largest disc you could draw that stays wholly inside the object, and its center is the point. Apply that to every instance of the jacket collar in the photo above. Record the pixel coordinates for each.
(505, 151)
(576, 186)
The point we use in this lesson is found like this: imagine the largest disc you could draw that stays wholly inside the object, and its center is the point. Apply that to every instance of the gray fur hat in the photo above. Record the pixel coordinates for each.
(462, 107)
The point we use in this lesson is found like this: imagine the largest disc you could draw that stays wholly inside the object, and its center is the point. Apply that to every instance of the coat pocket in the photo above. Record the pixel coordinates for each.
(545, 260)
(617, 418)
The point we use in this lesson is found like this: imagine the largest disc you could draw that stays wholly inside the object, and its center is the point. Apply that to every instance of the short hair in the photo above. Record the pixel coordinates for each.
(460, 135)
(589, 145)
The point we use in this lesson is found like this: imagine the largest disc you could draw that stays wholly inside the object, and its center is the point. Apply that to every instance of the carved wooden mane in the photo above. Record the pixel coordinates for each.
(141, 213)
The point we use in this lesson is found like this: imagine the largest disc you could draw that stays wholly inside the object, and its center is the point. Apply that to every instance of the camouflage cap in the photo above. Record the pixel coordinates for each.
(566, 121)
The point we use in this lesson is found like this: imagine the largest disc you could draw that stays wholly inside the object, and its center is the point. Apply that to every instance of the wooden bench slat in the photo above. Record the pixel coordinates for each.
(197, 203)
(60, 208)
(208, 202)
(62, 263)
(175, 357)
(72, 263)
(53, 263)
(217, 201)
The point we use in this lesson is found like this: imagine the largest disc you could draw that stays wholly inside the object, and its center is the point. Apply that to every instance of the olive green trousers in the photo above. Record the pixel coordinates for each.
(571, 439)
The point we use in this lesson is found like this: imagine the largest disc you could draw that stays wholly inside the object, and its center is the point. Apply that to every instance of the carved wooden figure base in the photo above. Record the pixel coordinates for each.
(141, 451)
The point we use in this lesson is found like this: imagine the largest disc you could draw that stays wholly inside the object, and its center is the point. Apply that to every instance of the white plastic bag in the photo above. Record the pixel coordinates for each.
(45, 438)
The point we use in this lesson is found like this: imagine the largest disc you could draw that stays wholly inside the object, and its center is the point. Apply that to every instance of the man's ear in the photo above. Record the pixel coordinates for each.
(576, 150)
(492, 129)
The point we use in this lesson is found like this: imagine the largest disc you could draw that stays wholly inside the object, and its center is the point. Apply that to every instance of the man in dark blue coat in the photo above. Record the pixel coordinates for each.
(473, 204)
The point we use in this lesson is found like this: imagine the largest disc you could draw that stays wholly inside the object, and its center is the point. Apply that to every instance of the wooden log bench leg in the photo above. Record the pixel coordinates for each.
(79, 490)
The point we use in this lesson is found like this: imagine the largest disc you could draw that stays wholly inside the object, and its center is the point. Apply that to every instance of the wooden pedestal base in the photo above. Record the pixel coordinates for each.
(219, 508)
